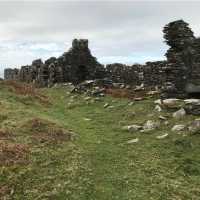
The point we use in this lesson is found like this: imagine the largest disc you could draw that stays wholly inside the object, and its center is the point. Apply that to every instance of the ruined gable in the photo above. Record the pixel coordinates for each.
(183, 72)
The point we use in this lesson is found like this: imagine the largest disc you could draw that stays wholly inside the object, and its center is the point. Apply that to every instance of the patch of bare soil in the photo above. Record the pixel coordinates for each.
(125, 93)
(11, 154)
(45, 131)
(130, 94)
(26, 90)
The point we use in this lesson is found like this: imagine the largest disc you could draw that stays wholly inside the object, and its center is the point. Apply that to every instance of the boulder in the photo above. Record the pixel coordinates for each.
(178, 127)
(172, 103)
(179, 114)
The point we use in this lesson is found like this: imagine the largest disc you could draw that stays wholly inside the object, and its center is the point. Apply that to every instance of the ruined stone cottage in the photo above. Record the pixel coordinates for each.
(178, 76)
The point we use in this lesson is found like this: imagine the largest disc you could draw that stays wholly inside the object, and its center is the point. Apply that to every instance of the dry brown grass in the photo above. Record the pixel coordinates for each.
(4, 190)
(26, 90)
(126, 93)
(11, 154)
(44, 131)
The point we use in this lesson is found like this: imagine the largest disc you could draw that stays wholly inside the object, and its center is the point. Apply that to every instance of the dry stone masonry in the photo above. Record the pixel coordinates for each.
(151, 74)
(74, 66)
(178, 76)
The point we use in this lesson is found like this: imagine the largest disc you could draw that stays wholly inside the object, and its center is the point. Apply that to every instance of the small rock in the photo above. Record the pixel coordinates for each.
(131, 103)
(97, 99)
(195, 126)
(162, 117)
(87, 98)
(158, 101)
(102, 95)
(162, 136)
(150, 125)
(178, 127)
(179, 114)
(106, 105)
(138, 99)
(133, 141)
(131, 128)
(158, 108)
(87, 119)
(166, 123)
(110, 107)
(122, 86)
(139, 87)
(152, 92)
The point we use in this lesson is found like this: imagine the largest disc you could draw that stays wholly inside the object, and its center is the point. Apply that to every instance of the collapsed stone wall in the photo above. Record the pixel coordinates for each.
(151, 74)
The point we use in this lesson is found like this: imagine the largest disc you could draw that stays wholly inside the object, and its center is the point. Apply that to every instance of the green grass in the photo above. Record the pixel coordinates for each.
(98, 164)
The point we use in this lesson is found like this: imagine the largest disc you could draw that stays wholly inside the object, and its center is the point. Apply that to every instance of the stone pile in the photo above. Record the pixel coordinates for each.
(95, 87)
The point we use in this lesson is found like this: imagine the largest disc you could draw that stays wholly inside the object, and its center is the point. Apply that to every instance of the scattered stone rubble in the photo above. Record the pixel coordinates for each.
(93, 87)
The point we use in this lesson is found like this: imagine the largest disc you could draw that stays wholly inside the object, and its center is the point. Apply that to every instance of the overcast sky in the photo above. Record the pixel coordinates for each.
(118, 31)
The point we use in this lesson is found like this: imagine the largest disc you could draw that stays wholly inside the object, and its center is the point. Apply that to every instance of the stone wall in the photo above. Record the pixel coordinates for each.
(74, 66)
(11, 74)
(152, 74)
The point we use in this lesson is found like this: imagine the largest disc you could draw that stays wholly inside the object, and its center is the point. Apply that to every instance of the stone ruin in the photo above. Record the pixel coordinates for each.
(183, 66)
(178, 76)
(74, 66)
(11, 74)
(150, 75)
